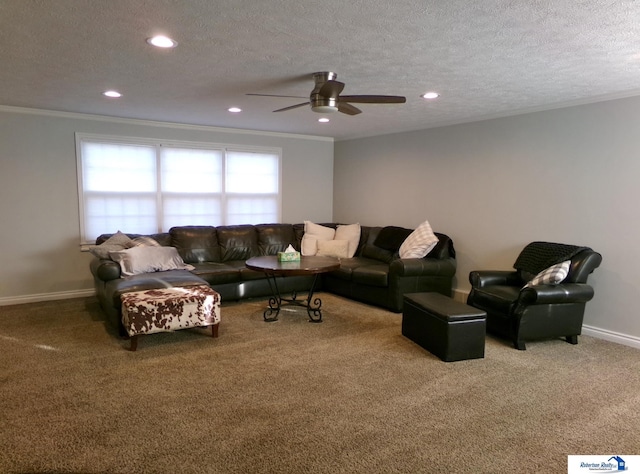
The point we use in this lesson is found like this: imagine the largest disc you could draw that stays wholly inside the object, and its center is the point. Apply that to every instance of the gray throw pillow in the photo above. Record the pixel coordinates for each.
(147, 259)
(117, 241)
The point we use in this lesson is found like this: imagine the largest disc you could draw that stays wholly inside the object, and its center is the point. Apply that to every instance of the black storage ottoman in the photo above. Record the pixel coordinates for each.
(448, 329)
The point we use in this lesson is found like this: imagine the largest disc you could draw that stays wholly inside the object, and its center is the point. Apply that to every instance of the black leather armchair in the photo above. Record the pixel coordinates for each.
(524, 313)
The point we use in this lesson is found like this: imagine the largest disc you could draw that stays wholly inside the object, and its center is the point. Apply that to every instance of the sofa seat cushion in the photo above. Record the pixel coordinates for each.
(216, 273)
(372, 275)
(348, 265)
(500, 298)
(245, 273)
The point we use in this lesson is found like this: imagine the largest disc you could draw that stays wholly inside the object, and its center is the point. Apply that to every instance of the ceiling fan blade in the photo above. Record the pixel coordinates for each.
(273, 95)
(331, 89)
(348, 109)
(292, 107)
(374, 99)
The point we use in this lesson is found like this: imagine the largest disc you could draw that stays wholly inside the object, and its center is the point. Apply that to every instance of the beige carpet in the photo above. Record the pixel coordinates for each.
(349, 395)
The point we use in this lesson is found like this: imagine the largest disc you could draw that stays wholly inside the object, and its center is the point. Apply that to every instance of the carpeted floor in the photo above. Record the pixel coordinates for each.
(349, 395)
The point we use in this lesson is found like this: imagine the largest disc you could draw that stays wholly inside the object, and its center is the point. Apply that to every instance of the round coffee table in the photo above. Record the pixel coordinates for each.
(272, 268)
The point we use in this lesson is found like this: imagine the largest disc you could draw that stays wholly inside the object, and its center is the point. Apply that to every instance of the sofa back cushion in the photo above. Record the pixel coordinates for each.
(391, 237)
(238, 242)
(274, 238)
(376, 253)
(298, 231)
(196, 244)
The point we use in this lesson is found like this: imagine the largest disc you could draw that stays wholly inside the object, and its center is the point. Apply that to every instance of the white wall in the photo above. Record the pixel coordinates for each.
(568, 175)
(40, 257)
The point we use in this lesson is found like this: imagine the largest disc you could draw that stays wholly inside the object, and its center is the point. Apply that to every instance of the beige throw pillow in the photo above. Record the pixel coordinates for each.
(314, 233)
(351, 233)
(333, 248)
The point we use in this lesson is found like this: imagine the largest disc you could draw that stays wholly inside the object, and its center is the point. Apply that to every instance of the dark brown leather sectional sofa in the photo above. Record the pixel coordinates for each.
(374, 275)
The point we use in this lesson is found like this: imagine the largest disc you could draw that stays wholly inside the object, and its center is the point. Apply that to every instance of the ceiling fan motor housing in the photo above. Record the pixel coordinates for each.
(319, 103)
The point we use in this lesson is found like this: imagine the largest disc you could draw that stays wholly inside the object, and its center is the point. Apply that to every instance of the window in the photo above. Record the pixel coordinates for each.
(144, 187)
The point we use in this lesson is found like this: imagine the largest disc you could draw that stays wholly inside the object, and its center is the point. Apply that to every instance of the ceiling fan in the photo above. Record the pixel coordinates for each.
(325, 97)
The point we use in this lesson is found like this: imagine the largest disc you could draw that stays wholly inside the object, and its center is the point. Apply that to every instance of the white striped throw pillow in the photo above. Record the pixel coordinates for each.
(551, 276)
(419, 243)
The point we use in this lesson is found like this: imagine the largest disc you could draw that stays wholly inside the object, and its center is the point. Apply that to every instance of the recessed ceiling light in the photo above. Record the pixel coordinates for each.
(112, 94)
(323, 120)
(235, 110)
(161, 41)
(430, 95)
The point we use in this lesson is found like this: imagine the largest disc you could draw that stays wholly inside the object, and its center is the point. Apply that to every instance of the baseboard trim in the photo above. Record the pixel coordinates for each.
(61, 295)
(458, 295)
(599, 333)
(611, 336)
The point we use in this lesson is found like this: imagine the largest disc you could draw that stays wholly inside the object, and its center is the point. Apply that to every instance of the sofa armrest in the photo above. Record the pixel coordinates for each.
(407, 267)
(105, 269)
(482, 278)
(562, 293)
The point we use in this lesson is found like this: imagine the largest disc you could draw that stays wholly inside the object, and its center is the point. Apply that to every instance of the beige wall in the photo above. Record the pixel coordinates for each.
(40, 257)
(568, 175)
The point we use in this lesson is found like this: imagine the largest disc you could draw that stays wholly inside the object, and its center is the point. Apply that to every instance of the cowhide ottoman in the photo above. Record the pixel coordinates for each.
(169, 309)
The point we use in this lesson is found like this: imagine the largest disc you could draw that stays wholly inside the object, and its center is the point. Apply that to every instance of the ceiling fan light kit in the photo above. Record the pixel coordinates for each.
(324, 109)
(325, 97)
(322, 106)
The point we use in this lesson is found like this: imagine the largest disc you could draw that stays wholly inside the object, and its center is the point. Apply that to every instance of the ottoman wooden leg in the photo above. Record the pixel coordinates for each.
(214, 330)
(134, 343)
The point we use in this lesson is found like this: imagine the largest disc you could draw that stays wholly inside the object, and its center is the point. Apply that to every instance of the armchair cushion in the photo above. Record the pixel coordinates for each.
(551, 276)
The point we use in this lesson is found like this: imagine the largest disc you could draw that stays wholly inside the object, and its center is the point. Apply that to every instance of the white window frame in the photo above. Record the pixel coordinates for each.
(158, 144)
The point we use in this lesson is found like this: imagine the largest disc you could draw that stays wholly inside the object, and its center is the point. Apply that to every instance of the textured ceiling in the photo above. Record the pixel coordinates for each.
(486, 58)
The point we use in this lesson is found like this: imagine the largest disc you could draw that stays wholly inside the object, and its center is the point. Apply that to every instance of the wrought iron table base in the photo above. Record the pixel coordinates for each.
(277, 301)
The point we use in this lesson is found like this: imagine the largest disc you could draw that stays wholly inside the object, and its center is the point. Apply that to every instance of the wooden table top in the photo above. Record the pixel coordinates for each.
(306, 266)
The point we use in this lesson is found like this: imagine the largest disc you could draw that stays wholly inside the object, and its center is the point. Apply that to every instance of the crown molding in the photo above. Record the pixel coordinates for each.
(152, 123)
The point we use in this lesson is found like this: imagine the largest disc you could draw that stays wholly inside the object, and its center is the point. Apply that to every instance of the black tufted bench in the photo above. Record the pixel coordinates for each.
(448, 329)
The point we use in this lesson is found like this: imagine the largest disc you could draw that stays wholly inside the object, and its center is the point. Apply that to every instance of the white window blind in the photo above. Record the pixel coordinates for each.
(252, 187)
(146, 187)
